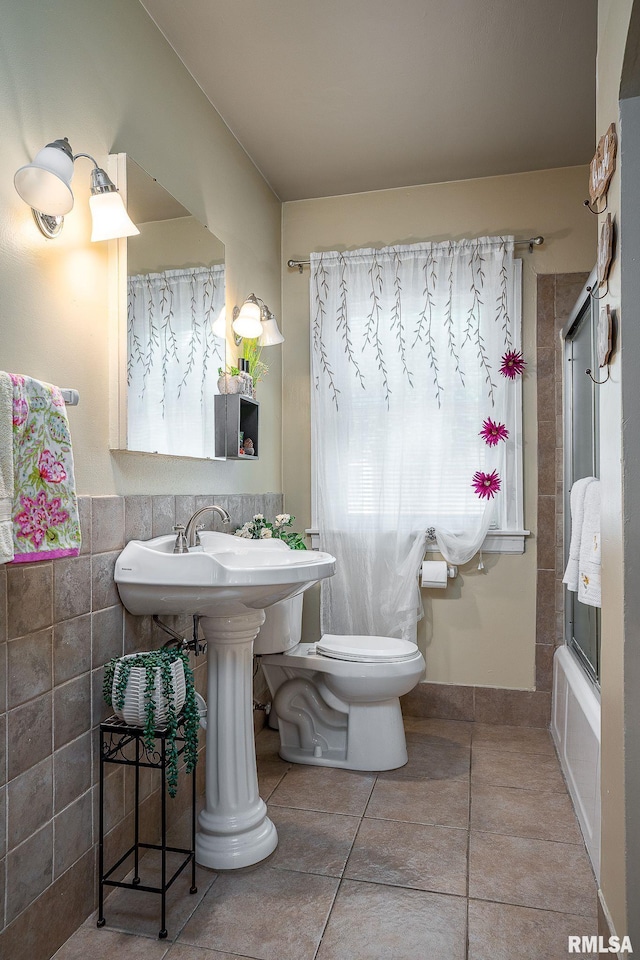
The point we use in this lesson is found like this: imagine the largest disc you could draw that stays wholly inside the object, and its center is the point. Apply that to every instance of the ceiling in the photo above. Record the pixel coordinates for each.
(341, 96)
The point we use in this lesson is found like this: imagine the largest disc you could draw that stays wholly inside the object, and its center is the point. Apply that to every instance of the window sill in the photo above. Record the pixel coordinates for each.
(496, 541)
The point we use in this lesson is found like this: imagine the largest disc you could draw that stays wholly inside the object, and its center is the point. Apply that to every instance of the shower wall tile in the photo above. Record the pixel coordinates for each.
(29, 666)
(45, 925)
(104, 592)
(84, 515)
(107, 635)
(163, 513)
(30, 870)
(3, 753)
(29, 598)
(107, 524)
(185, 508)
(73, 834)
(29, 735)
(3, 603)
(71, 588)
(30, 802)
(71, 710)
(71, 648)
(3, 833)
(138, 518)
(71, 771)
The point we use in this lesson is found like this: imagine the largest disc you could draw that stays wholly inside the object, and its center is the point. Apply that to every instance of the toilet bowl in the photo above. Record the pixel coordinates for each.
(336, 701)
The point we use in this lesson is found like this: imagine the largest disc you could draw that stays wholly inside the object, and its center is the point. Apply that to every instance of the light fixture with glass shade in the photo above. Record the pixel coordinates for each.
(45, 184)
(255, 320)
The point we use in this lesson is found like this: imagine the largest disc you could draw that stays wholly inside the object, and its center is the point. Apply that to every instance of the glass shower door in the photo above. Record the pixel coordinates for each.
(582, 622)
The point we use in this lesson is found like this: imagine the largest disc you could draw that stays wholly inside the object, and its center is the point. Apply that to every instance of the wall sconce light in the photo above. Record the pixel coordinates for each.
(255, 319)
(45, 184)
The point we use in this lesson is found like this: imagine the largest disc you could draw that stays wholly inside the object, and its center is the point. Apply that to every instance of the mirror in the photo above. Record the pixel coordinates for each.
(174, 342)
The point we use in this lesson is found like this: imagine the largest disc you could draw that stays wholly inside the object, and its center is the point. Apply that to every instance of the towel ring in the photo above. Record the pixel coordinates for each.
(589, 374)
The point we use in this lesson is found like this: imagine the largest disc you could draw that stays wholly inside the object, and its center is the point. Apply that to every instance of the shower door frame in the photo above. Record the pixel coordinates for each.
(584, 303)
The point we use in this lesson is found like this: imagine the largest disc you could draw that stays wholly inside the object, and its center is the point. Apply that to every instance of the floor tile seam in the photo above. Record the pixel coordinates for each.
(353, 843)
(338, 813)
(505, 903)
(412, 778)
(562, 843)
(326, 923)
(521, 836)
(417, 823)
(329, 813)
(528, 906)
(196, 907)
(498, 783)
(528, 755)
(403, 886)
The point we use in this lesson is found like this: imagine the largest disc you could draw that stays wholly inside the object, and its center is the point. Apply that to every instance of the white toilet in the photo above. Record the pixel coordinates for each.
(336, 701)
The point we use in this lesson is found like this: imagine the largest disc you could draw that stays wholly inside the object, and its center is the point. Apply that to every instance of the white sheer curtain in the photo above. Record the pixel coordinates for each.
(173, 360)
(407, 345)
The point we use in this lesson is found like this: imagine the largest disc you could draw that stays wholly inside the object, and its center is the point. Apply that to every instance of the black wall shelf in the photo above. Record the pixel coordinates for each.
(235, 415)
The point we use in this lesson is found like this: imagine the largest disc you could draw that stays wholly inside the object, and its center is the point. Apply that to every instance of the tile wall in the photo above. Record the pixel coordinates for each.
(556, 296)
(60, 622)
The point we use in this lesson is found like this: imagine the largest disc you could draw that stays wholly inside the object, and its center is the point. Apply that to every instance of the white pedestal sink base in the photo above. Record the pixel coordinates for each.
(234, 828)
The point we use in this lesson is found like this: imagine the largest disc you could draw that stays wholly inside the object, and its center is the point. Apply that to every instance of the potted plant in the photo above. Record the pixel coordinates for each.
(149, 690)
(229, 380)
(252, 351)
(261, 529)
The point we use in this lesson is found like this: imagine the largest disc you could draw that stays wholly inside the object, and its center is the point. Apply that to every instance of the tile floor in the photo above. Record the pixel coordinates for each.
(469, 852)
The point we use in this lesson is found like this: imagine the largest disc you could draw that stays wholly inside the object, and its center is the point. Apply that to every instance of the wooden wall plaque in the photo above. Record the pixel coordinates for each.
(604, 336)
(603, 165)
(605, 251)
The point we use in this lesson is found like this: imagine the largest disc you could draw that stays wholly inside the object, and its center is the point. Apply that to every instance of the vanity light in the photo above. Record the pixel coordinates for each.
(45, 184)
(254, 319)
(270, 332)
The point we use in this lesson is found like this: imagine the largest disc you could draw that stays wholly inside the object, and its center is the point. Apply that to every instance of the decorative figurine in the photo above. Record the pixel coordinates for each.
(248, 447)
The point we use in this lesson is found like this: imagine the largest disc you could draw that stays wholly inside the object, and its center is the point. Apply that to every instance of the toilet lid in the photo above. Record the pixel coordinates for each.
(366, 649)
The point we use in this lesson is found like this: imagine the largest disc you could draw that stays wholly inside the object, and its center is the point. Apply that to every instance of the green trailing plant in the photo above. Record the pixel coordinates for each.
(163, 660)
(229, 369)
(260, 529)
(252, 351)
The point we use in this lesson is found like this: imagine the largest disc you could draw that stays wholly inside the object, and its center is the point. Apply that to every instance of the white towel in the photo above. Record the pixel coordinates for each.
(578, 493)
(6, 468)
(589, 574)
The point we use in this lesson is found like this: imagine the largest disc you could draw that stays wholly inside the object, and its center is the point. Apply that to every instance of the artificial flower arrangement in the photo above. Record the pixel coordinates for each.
(486, 485)
(158, 673)
(261, 529)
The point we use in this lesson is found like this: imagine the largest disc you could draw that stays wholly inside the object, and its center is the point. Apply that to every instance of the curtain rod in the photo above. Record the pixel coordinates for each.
(531, 243)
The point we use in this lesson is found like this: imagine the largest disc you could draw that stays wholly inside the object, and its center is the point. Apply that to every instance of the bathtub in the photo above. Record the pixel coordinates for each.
(575, 727)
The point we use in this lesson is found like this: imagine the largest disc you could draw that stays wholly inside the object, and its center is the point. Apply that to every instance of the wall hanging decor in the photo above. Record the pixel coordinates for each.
(605, 257)
(601, 170)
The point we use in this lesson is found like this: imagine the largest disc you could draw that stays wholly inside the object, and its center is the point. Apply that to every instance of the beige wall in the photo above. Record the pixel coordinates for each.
(482, 631)
(102, 75)
(613, 24)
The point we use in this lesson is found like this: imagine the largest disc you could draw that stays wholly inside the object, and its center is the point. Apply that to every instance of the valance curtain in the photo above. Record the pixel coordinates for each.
(173, 359)
(407, 344)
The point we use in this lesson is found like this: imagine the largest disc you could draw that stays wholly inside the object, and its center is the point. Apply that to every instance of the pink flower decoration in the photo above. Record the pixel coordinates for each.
(38, 515)
(51, 469)
(486, 485)
(20, 412)
(512, 364)
(492, 432)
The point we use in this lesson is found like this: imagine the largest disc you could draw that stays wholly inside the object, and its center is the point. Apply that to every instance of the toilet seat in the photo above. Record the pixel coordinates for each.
(358, 649)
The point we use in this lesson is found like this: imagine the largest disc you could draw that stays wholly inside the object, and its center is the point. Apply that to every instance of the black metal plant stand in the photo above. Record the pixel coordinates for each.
(116, 738)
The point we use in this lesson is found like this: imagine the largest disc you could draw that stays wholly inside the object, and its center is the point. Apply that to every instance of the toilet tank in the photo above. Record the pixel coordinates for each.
(282, 628)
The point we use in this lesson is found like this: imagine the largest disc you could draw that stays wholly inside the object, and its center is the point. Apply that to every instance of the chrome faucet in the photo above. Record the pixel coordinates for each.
(191, 531)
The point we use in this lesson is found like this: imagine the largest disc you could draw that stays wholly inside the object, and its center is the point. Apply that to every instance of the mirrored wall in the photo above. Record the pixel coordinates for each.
(171, 332)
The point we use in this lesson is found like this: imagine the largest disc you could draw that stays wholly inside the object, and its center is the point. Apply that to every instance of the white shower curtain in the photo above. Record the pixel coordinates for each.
(406, 350)
(173, 360)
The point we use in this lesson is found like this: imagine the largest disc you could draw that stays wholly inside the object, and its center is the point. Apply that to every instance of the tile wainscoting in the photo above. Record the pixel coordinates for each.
(60, 622)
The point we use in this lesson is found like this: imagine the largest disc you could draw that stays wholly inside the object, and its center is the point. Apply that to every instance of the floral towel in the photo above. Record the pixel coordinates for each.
(45, 508)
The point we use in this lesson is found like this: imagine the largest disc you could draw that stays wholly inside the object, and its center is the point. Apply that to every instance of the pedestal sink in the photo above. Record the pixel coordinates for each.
(227, 581)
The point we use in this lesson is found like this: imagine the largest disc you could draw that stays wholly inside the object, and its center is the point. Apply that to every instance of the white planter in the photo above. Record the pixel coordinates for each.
(229, 384)
(134, 708)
